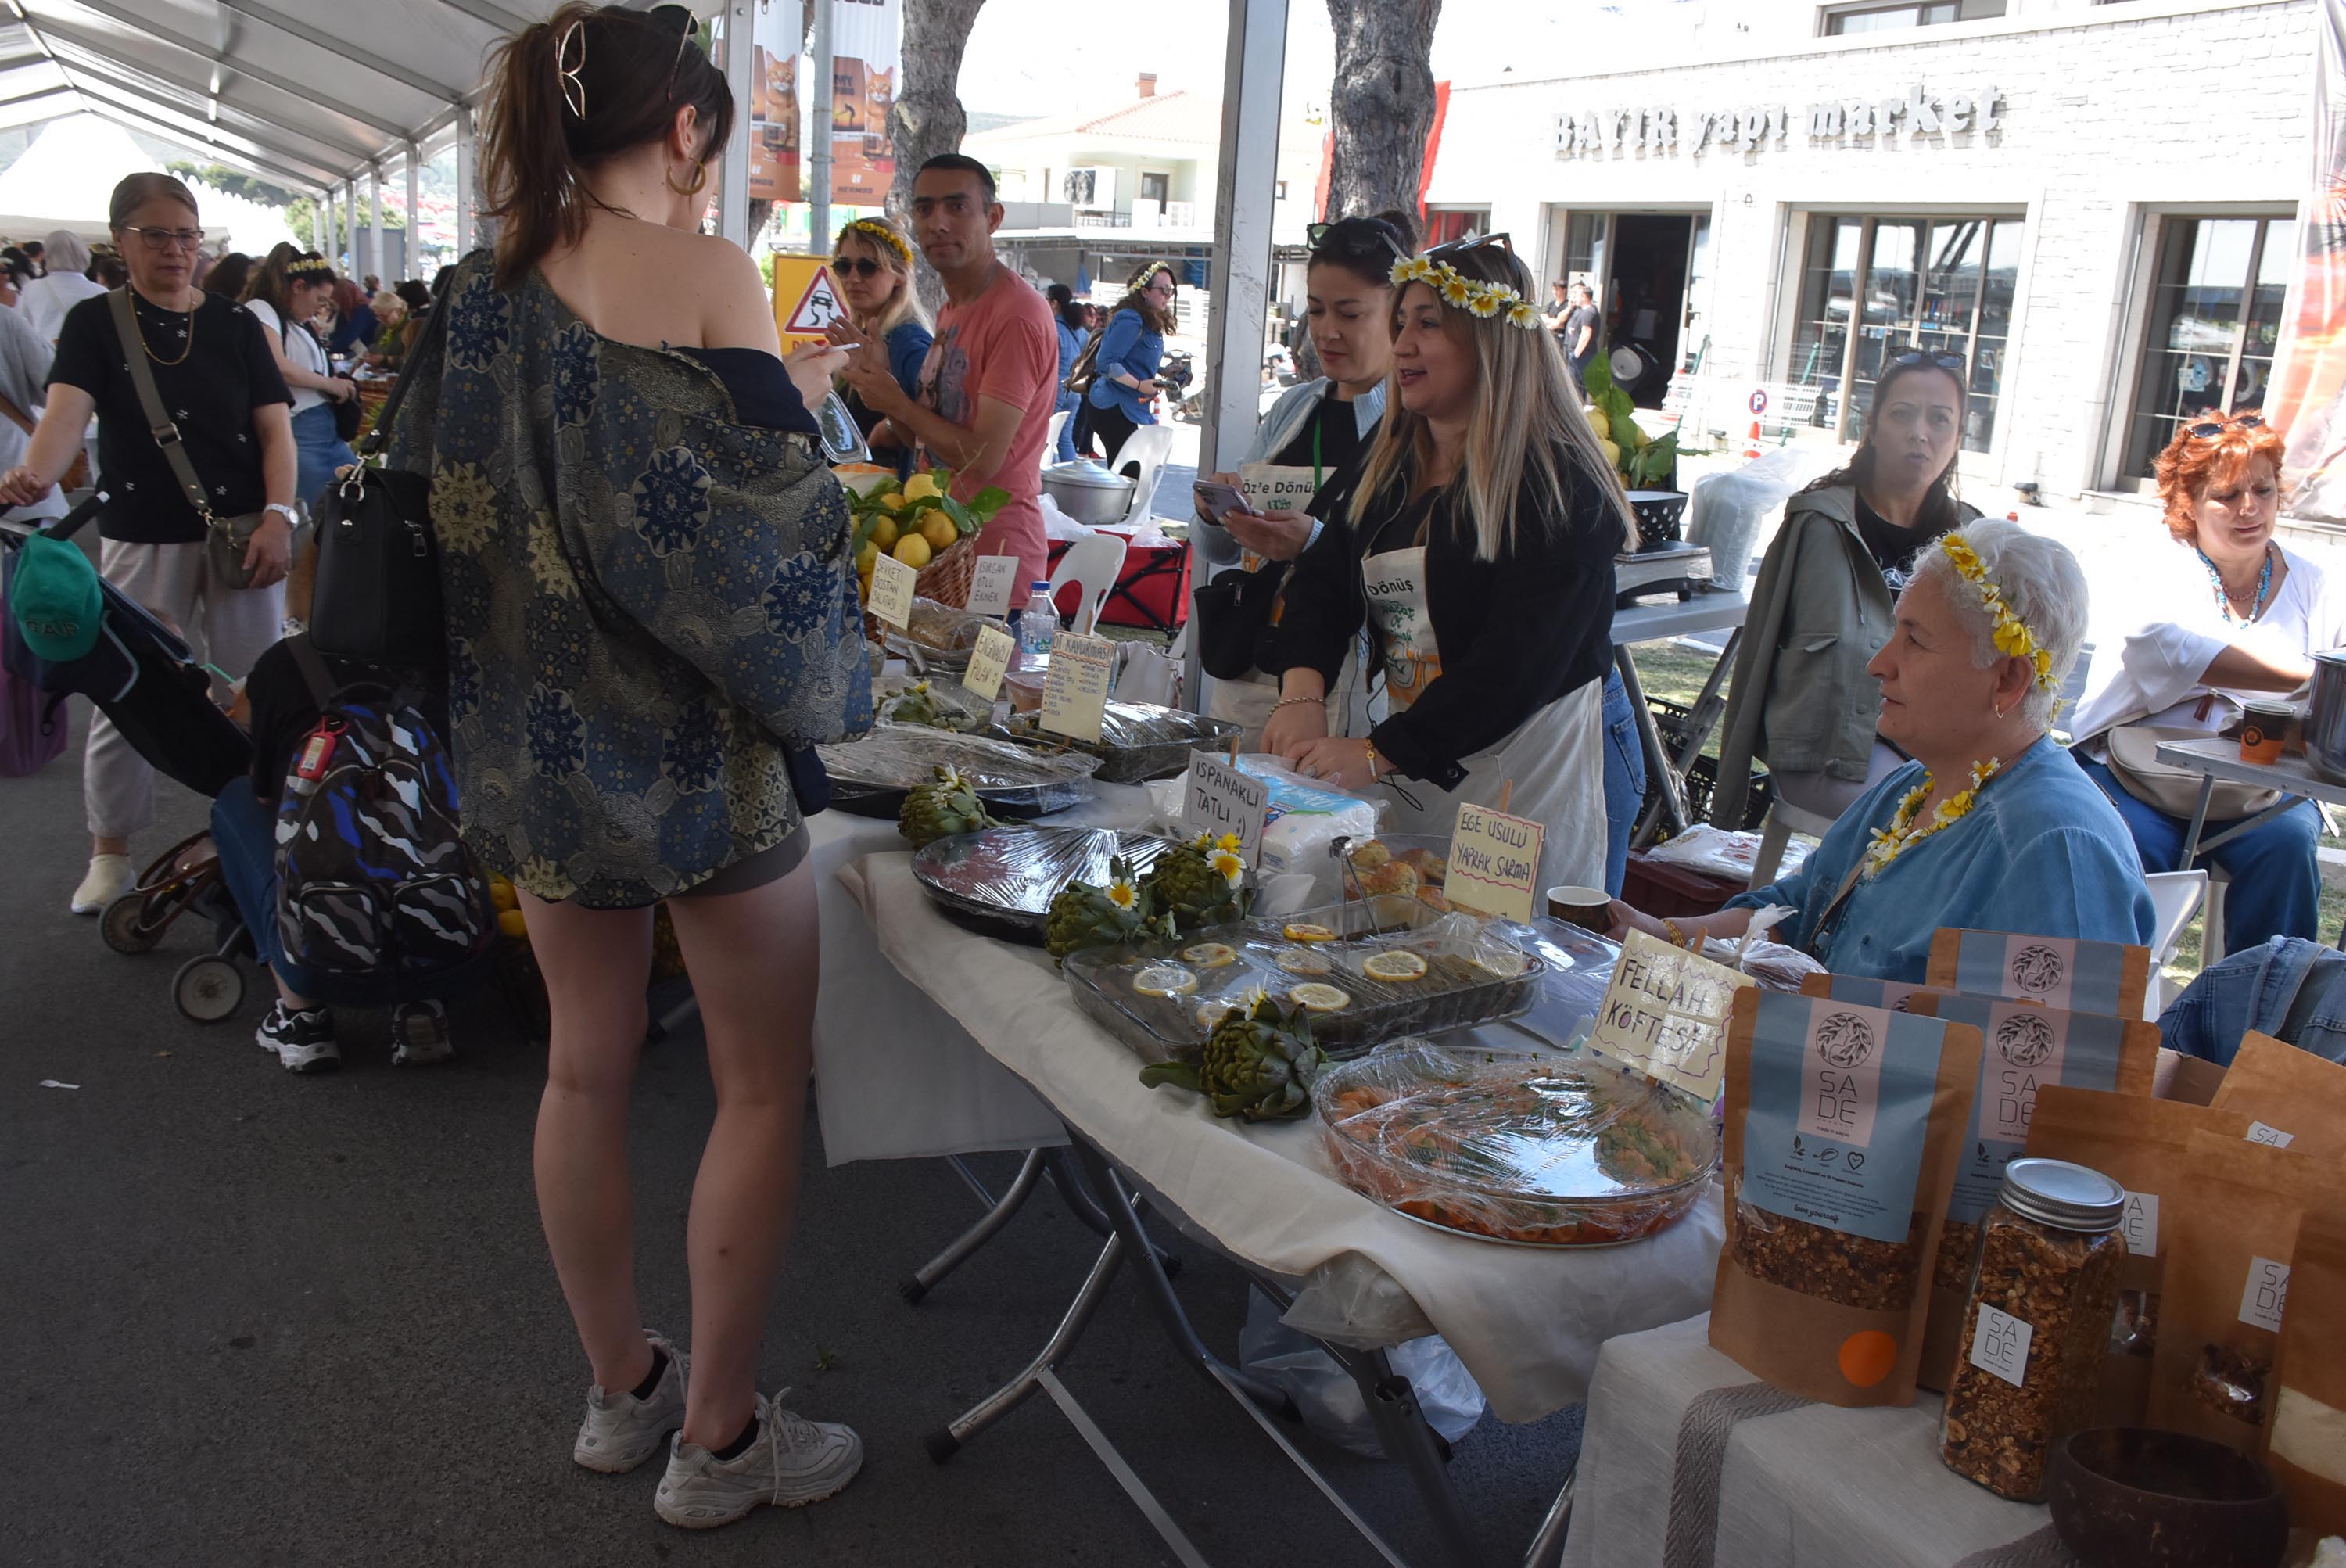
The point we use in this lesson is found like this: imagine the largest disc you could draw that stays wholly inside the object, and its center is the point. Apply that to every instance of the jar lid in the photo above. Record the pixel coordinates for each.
(2058, 1193)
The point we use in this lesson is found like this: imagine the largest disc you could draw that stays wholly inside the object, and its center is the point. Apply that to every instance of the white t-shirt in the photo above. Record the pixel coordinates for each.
(45, 299)
(300, 348)
(2156, 667)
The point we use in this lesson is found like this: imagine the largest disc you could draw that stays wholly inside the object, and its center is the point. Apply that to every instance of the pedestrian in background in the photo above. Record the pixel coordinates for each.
(1069, 317)
(1579, 335)
(63, 284)
(1123, 397)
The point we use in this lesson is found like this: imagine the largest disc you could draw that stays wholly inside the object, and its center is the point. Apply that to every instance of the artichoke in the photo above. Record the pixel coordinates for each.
(945, 806)
(1087, 916)
(1258, 1063)
(1201, 883)
(915, 705)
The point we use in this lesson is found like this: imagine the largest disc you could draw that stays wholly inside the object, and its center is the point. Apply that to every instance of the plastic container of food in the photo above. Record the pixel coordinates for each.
(1532, 1149)
(1370, 973)
(1139, 741)
(870, 777)
(938, 637)
(1000, 882)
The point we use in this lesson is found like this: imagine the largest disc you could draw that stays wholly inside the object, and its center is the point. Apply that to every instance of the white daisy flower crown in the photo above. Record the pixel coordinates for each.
(1485, 301)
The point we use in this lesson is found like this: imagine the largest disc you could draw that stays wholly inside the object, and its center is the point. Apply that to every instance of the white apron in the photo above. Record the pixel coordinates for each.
(1555, 759)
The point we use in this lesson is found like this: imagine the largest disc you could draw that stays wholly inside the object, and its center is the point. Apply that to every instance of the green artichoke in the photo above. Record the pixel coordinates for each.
(915, 705)
(1256, 1064)
(1087, 916)
(945, 806)
(1188, 882)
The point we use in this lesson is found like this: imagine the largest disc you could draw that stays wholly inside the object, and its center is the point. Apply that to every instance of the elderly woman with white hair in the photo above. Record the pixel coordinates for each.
(45, 300)
(1992, 826)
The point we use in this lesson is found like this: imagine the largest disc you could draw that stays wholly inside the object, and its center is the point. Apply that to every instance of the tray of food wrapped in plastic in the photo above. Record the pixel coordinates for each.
(940, 703)
(870, 777)
(938, 637)
(1366, 971)
(1000, 882)
(1138, 740)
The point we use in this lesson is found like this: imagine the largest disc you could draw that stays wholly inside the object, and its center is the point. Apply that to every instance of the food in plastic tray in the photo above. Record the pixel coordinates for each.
(1537, 1150)
(872, 775)
(1138, 740)
(1404, 865)
(939, 635)
(903, 698)
(1474, 975)
(1002, 881)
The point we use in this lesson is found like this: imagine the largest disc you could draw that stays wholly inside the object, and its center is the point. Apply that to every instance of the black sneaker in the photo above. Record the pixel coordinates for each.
(304, 1042)
(419, 1035)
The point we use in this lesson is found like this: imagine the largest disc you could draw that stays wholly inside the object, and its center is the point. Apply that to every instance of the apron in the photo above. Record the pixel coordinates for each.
(1555, 759)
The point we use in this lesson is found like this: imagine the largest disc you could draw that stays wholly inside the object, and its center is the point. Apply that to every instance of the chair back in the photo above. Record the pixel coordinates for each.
(2176, 895)
(1143, 454)
(1093, 564)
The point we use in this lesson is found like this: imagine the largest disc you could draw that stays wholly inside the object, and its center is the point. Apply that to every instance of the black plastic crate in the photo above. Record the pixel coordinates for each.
(1674, 723)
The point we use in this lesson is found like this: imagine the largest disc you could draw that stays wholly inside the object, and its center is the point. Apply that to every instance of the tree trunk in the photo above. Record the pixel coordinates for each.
(927, 117)
(1380, 106)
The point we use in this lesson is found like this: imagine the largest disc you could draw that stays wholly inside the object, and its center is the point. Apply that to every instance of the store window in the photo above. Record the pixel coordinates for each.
(1943, 285)
(2214, 317)
(1444, 224)
(1155, 188)
(1878, 18)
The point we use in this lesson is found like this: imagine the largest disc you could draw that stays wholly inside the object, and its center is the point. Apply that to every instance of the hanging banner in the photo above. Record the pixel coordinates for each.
(2309, 401)
(774, 102)
(867, 58)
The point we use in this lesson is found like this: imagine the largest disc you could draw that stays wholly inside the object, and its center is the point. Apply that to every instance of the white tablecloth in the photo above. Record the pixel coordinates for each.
(1526, 1321)
(1785, 1483)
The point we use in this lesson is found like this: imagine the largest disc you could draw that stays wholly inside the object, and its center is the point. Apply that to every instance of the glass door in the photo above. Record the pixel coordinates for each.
(2214, 321)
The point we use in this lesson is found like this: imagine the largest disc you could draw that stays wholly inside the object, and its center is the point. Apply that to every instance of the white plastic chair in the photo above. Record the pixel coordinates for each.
(2176, 896)
(1144, 452)
(1784, 819)
(1051, 442)
(1093, 564)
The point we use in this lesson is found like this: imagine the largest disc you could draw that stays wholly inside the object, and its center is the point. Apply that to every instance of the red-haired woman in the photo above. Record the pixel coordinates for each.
(2229, 617)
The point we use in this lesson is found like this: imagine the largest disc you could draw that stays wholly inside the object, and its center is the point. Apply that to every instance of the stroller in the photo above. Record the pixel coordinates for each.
(186, 880)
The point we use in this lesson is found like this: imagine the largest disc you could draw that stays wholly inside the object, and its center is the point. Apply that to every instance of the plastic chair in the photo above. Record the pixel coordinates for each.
(1051, 440)
(2176, 896)
(1092, 564)
(1784, 819)
(1143, 454)
(2073, 692)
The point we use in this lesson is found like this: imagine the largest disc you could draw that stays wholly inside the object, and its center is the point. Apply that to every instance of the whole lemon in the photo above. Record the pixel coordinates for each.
(921, 486)
(865, 556)
(884, 534)
(893, 499)
(912, 550)
(939, 531)
(510, 923)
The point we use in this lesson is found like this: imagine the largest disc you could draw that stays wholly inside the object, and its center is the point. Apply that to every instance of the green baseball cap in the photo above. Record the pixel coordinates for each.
(54, 598)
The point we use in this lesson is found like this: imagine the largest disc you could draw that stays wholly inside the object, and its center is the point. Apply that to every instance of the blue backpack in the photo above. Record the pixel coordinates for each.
(372, 877)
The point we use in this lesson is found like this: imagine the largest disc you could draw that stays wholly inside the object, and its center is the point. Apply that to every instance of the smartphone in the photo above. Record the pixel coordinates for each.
(1221, 500)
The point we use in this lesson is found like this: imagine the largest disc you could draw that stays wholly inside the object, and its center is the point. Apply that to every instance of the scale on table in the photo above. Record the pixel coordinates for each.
(1680, 569)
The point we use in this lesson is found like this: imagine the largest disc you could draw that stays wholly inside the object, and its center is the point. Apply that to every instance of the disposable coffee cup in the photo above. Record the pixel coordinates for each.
(1591, 909)
(2264, 730)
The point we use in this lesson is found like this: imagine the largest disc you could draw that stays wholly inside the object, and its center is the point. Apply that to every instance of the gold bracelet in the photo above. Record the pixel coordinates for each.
(1678, 937)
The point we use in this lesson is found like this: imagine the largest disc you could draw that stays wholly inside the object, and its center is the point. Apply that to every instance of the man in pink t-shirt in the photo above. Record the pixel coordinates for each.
(987, 388)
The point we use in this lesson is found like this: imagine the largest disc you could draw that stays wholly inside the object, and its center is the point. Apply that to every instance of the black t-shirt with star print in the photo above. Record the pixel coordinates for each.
(210, 394)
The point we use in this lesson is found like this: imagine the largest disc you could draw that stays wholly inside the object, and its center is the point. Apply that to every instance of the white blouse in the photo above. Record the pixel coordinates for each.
(300, 348)
(2157, 668)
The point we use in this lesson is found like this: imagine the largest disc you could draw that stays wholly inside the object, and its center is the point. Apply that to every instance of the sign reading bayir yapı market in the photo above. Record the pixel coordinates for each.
(1747, 128)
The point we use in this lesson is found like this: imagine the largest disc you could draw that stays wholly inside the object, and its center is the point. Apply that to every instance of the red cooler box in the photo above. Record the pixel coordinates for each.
(1152, 591)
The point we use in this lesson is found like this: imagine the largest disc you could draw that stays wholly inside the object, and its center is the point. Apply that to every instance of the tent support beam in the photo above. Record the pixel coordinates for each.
(316, 38)
(196, 47)
(126, 76)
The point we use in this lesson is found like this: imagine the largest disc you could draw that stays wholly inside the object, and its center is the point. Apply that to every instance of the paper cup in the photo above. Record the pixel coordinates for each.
(1591, 909)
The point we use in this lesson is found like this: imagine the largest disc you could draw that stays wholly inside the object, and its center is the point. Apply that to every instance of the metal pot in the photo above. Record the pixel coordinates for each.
(1087, 492)
(2325, 720)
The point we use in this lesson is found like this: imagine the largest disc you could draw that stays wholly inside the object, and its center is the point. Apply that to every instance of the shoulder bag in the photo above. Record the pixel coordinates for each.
(2133, 760)
(226, 539)
(377, 596)
(1085, 370)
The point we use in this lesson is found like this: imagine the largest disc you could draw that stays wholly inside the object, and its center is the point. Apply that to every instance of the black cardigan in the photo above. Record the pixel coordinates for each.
(1514, 633)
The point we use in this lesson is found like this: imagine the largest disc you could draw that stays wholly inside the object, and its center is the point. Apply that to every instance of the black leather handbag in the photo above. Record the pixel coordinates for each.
(1230, 615)
(377, 595)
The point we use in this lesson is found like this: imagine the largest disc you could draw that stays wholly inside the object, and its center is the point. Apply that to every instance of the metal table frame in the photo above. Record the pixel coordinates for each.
(1709, 612)
(2217, 758)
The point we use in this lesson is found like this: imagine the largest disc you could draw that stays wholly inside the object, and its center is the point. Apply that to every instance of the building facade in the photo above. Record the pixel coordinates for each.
(2094, 206)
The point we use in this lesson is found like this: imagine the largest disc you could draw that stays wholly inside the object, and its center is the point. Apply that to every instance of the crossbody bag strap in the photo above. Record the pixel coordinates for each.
(438, 323)
(312, 666)
(151, 400)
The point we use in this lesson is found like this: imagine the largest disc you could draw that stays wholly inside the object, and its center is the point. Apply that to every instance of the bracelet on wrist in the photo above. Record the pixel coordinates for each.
(1677, 936)
(1297, 702)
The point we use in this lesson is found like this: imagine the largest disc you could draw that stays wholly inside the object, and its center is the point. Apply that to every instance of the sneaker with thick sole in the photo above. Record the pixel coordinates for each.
(794, 1461)
(620, 1430)
(419, 1035)
(303, 1042)
(108, 879)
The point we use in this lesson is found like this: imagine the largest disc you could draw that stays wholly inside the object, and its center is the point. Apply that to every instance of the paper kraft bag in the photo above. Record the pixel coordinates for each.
(2293, 1099)
(2059, 972)
(2306, 1438)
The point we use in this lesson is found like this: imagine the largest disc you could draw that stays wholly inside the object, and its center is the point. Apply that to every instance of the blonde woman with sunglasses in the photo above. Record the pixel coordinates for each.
(872, 261)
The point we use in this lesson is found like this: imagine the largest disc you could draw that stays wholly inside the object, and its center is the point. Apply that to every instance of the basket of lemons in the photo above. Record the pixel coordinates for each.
(921, 524)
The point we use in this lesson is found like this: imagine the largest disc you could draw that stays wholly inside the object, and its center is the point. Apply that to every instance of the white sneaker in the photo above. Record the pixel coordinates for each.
(794, 1461)
(620, 1430)
(108, 879)
(419, 1035)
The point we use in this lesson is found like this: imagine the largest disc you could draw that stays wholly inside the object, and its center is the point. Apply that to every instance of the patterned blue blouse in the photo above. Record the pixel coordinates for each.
(649, 601)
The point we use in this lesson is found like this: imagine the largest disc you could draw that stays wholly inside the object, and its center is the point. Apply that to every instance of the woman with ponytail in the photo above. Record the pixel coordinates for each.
(283, 293)
(652, 621)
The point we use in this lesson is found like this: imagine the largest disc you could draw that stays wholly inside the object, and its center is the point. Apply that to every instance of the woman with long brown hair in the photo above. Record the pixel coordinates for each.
(652, 620)
(283, 293)
(1123, 397)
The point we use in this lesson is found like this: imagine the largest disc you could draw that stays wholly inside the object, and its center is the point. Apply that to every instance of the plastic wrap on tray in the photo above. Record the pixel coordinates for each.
(1003, 879)
(1578, 966)
(1537, 1150)
(897, 756)
(1139, 741)
(957, 707)
(940, 635)
(1370, 973)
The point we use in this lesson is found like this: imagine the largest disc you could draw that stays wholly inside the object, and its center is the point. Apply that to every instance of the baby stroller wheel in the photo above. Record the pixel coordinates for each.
(208, 989)
(123, 925)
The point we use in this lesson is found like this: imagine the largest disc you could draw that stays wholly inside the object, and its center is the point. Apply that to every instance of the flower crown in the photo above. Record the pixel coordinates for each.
(2013, 636)
(313, 270)
(885, 235)
(1485, 301)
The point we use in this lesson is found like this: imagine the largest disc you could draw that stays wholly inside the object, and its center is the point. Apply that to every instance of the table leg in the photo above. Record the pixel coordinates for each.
(944, 1444)
(2198, 821)
(1068, 1178)
(1657, 760)
(925, 1279)
(1547, 1542)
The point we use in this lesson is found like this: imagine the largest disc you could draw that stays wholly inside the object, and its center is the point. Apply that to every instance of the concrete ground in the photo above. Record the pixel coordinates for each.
(265, 1321)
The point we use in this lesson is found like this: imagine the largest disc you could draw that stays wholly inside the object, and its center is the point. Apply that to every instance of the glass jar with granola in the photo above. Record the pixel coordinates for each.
(2043, 1287)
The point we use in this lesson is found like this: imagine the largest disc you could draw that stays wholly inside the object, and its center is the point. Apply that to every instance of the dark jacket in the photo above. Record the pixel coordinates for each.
(1514, 633)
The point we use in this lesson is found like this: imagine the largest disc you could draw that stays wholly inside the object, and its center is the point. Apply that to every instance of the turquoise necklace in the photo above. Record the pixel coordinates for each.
(2224, 600)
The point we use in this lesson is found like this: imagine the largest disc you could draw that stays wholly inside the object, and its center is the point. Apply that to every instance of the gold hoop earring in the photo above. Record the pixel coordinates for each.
(699, 179)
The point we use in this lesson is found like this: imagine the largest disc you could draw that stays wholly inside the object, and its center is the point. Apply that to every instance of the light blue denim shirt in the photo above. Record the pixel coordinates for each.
(2041, 853)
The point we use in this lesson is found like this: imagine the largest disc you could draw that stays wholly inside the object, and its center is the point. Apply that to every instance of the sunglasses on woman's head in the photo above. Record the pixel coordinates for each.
(1316, 234)
(862, 266)
(687, 25)
(1924, 357)
(2217, 427)
(1473, 242)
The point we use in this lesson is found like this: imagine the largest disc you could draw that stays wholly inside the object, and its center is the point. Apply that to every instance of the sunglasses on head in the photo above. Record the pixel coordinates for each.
(1317, 234)
(1924, 357)
(2214, 428)
(862, 266)
(687, 25)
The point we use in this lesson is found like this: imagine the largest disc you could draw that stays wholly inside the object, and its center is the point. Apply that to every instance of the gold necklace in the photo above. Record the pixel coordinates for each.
(140, 332)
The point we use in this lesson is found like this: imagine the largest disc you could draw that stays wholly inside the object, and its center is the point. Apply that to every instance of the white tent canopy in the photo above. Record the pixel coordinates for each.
(63, 178)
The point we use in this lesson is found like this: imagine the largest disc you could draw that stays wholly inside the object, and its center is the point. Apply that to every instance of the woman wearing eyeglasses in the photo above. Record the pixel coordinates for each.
(651, 623)
(220, 386)
(874, 263)
(2227, 615)
(1132, 345)
(1475, 543)
(1824, 601)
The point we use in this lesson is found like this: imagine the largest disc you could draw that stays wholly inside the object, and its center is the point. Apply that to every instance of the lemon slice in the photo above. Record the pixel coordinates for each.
(1504, 961)
(1164, 980)
(1309, 932)
(1319, 998)
(1300, 961)
(1210, 954)
(1209, 1014)
(1395, 964)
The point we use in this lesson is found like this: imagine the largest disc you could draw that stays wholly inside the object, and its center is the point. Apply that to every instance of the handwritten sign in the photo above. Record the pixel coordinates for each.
(987, 662)
(1665, 1014)
(997, 580)
(1277, 487)
(1075, 694)
(891, 591)
(1493, 863)
(1220, 799)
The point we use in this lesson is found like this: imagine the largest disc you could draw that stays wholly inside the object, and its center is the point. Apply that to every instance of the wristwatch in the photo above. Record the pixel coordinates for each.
(292, 517)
